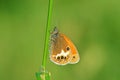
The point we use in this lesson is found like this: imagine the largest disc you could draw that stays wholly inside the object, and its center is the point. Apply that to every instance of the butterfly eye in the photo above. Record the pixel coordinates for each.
(68, 48)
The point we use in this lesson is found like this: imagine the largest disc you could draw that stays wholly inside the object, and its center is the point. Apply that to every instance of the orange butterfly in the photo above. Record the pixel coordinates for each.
(62, 50)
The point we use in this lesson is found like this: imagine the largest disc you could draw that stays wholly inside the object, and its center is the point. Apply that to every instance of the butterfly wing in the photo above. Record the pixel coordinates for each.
(59, 53)
(75, 55)
(62, 50)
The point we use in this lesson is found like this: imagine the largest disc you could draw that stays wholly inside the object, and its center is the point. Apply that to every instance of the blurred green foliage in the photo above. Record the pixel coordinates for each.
(93, 25)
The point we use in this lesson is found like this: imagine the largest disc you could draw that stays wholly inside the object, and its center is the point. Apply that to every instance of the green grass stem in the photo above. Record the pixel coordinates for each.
(43, 75)
(47, 34)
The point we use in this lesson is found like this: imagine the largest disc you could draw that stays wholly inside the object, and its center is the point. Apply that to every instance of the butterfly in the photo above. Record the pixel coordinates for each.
(62, 50)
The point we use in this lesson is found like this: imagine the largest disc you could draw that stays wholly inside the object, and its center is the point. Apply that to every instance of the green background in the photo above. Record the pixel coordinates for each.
(93, 26)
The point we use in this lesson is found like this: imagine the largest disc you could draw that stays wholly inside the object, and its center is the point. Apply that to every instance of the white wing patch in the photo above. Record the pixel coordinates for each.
(59, 58)
(63, 53)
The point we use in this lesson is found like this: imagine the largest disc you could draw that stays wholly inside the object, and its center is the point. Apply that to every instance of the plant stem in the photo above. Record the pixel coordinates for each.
(47, 34)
